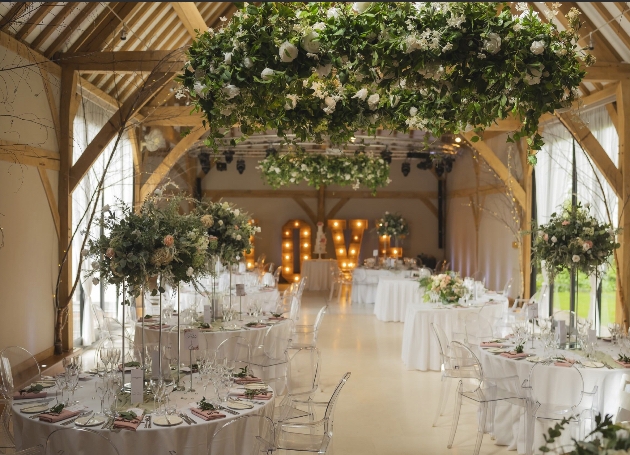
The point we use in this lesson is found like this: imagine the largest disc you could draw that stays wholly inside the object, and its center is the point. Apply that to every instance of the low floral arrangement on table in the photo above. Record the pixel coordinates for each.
(448, 287)
(392, 224)
(325, 70)
(317, 170)
(607, 438)
(229, 229)
(574, 239)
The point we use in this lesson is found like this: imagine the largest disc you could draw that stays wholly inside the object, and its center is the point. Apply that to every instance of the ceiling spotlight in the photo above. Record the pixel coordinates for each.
(448, 164)
(123, 33)
(204, 160)
(425, 164)
(221, 166)
(270, 151)
(240, 165)
(458, 139)
(406, 168)
(229, 156)
(387, 156)
(439, 169)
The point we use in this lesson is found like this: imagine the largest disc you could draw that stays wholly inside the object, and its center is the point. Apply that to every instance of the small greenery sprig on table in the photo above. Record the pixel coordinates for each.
(519, 349)
(205, 405)
(244, 372)
(277, 315)
(33, 388)
(128, 415)
(251, 393)
(57, 409)
(624, 358)
(392, 224)
(574, 238)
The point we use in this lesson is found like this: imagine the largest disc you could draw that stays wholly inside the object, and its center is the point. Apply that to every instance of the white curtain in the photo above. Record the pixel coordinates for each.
(118, 189)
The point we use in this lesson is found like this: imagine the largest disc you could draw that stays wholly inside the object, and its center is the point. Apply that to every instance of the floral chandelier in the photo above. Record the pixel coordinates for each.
(324, 69)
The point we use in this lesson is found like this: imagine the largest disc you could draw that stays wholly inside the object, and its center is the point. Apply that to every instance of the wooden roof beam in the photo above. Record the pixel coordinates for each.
(67, 31)
(16, 11)
(93, 39)
(56, 21)
(190, 17)
(124, 62)
(607, 72)
(35, 20)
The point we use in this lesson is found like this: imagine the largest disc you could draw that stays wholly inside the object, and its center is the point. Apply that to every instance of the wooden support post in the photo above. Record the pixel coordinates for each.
(623, 255)
(63, 324)
(321, 204)
(526, 241)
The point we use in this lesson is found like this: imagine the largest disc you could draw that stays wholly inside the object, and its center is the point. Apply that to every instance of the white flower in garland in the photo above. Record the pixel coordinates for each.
(493, 43)
(373, 101)
(332, 13)
(247, 62)
(361, 7)
(190, 271)
(319, 26)
(199, 89)
(292, 102)
(537, 47)
(323, 70)
(331, 104)
(413, 111)
(310, 43)
(231, 91)
(267, 74)
(361, 94)
(288, 52)
(227, 58)
(576, 258)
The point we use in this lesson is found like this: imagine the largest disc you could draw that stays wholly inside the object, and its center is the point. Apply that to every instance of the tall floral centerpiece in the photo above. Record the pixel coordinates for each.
(319, 70)
(392, 225)
(574, 239)
(446, 288)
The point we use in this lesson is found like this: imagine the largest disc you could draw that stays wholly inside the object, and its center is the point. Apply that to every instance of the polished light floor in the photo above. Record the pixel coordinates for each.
(384, 408)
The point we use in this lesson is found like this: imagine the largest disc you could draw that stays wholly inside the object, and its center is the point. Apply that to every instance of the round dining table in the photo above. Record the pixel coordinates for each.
(393, 295)
(420, 348)
(365, 282)
(317, 273)
(509, 423)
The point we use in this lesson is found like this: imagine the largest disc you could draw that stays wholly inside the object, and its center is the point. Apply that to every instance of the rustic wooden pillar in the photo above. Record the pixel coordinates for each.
(623, 128)
(321, 205)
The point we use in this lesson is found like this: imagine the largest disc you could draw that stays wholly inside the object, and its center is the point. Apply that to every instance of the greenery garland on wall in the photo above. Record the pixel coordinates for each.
(324, 69)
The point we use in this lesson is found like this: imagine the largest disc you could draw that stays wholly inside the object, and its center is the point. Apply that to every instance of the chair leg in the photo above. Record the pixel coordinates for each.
(332, 291)
(458, 408)
(443, 398)
(483, 407)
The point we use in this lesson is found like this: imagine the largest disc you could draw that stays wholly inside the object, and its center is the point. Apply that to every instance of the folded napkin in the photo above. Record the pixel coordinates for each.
(623, 364)
(25, 396)
(273, 318)
(247, 380)
(262, 396)
(564, 363)
(207, 415)
(513, 355)
(127, 424)
(54, 418)
(491, 344)
(256, 326)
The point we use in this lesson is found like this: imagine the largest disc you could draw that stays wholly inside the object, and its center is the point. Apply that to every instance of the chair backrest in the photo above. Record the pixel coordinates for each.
(442, 266)
(99, 315)
(276, 275)
(277, 340)
(478, 329)
(565, 390)
(294, 312)
(442, 339)
(329, 415)
(235, 348)
(461, 359)
(304, 371)
(425, 272)
(251, 433)
(564, 315)
(78, 441)
(508, 287)
(623, 412)
(359, 275)
(19, 368)
(301, 285)
(320, 317)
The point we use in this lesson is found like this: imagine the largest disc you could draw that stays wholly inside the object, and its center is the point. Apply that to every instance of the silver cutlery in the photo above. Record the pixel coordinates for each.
(146, 421)
(229, 411)
(183, 417)
(90, 419)
(35, 416)
(150, 422)
(31, 403)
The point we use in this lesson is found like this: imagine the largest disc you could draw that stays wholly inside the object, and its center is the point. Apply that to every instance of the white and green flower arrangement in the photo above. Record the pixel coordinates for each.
(447, 287)
(574, 238)
(317, 170)
(392, 224)
(326, 70)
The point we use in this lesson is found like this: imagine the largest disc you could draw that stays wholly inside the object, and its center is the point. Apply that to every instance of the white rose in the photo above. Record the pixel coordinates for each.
(190, 271)
(158, 192)
(332, 12)
(361, 94)
(554, 239)
(220, 222)
(413, 111)
(560, 52)
(84, 253)
(361, 7)
(622, 434)
(576, 258)
(493, 43)
(105, 208)
(537, 47)
(323, 70)
(347, 176)
(291, 102)
(231, 91)
(331, 104)
(258, 229)
(310, 43)
(227, 58)
(238, 237)
(267, 74)
(237, 212)
(373, 101)
(247, 62)
(288, 52)
(319, 26)
(199, 88)
(95, 281)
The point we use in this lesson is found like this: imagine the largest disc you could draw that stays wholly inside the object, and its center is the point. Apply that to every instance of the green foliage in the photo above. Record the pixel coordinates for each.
(205, 406)
(323, 69)
(57, 409)
(128, 415)
(33, 388)
(392, 224)
(243, 372)
(605, 438)
(448, 286)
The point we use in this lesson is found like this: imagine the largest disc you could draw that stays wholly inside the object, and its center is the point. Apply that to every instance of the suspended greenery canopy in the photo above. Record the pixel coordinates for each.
(324, 69)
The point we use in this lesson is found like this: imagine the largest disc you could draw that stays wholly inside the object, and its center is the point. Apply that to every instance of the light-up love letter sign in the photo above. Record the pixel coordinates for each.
(295, 248)
(347, 259)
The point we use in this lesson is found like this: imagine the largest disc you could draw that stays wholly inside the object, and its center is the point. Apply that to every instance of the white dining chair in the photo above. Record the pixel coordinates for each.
(250, 433)
(302, 382)
(478, 329)
(269, 360)
(623, 409)
(305, 335)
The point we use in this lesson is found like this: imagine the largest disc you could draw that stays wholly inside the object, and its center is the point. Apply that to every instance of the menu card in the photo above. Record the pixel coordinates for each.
(137, 382)
(207, 314)
(191, 339)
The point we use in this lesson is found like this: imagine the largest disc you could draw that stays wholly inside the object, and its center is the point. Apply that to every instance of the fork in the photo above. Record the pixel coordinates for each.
(184, 418)
(36, 416)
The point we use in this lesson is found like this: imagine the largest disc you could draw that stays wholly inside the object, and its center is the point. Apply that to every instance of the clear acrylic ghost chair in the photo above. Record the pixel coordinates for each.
(442, 266)
(449, 371)
(566, 316)
(109, 328)
(37, 450)
(295, 307)
(517, 311)
(302, 382)
(21, 368)
(570, 400)
(425, 272)
(269, 360)
(78, 441)
(338, 281)
(484, 391)
(234, 349)
(478, 329)
(315, 436)
(306, 335)
(301, 286)
(491, 314)
(251, 434)
(276, 275)
(507, 288)
(623, 410)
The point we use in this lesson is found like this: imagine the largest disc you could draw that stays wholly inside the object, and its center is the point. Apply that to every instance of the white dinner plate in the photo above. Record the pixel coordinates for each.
(592, 364)
(89, 421)
(35, 409)
(535, 359)
(497, 350)
(255, 386)
(46, 384)
(232, 404)
(163, 422)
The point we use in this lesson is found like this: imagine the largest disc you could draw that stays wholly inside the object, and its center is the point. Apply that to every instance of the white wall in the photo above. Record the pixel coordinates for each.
(28, 261)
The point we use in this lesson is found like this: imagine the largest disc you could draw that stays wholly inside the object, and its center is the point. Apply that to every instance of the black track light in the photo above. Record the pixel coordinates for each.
(425, 164)
(123, 33)
(240, 165)
(204, 160)
(229, 156)
(387, 156)
(221, 166)
(406, 168)
(439, 168)
(270, 151)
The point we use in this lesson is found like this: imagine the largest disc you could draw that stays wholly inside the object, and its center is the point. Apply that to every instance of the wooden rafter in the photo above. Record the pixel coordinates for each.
(612, 112)
(124, 62)
(607, 95)
(623, 256)
(171, 116)
(56, 21)
(114, 126)
(338, 206)
(33, 21)
(93, 39)
(190, 17)
(113, 38)
(607, 72)
(304, 206)
(610, 21)
(23, 154)
(50, 196)
(88, 7)
(330, 194)
(13, 13)
(499, 168)
(52, 104)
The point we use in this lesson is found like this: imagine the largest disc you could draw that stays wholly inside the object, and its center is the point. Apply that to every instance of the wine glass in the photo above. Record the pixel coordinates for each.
(73, 385)
(60, 382)
(159, 387)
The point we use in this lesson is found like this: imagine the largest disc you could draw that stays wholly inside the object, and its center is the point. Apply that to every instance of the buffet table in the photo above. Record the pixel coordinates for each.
(365, 281)
(182, 439)
(509, 424)
(420, 349)
(317, 273)
(393, 295)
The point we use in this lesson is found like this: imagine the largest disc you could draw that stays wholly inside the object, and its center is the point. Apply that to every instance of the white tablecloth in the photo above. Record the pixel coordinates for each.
(393, 295)
(420, 349)
(182, 439)
(317, 272)
(509, 427)
(365, 282)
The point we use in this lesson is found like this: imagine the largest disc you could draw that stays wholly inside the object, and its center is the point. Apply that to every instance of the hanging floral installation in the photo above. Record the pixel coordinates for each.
(574, 239)
(315, 169)
(321, 70)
